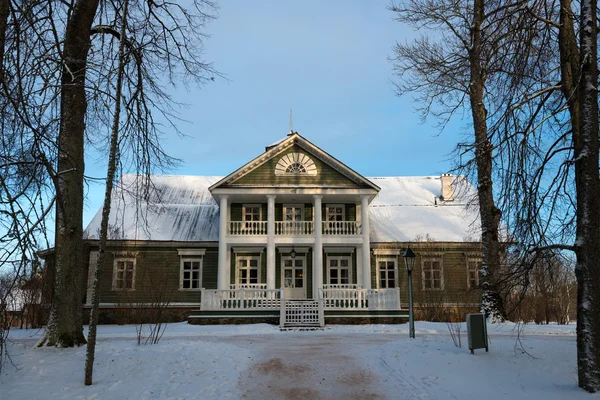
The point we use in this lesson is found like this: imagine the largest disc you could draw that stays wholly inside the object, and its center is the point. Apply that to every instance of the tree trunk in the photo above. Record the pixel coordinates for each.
(491, 302)
(587, 249)
(4, 11)
(65, 326)
(110, 176)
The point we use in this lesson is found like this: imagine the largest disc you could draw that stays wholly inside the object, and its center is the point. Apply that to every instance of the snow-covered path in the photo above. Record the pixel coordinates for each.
(314, 366)
(260, 362)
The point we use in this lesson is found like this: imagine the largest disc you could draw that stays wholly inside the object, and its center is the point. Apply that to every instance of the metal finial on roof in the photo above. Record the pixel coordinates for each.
(291, 124)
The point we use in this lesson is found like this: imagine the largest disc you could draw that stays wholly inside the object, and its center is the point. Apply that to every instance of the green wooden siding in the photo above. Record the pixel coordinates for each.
(454, 270)
(265, 174)
(159, 269)
(157, 274)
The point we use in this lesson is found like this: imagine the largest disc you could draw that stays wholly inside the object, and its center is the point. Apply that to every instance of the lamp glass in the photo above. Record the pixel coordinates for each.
(409, 259)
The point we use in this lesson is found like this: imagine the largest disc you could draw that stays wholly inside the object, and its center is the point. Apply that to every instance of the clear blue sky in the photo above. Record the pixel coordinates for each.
(328, 61)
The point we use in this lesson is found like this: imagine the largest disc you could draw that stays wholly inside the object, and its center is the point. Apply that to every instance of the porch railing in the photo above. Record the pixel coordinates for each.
(342, 228)
(360, 299)
(240, 299)
(297, 228)
(248, 227)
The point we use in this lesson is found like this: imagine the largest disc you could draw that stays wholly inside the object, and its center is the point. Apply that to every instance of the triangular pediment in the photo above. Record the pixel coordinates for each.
(295, 162)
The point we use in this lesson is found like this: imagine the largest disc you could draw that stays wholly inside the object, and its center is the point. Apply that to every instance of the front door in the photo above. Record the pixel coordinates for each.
(293, 277)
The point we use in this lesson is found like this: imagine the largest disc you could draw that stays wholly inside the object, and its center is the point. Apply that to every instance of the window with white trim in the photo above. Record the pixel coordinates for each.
(248, 270)
(335, 212)
(191, 274)
(386, 272)
(339, 270)
(473, 272)
(293, 212)
(123, 274)
(433, 277)
(252, 212)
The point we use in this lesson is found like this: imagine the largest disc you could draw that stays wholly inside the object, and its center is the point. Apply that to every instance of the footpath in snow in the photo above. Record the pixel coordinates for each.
(340, 362)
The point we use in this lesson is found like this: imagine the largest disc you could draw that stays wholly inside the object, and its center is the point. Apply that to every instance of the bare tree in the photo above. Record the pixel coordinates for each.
(110, 177)
(466, 63)
(58, 64)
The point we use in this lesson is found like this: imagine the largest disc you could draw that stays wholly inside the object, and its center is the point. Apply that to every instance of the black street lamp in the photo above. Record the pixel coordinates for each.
(409, 260)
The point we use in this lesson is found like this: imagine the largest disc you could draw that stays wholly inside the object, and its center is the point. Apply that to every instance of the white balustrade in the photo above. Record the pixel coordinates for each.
(343, 228)
(248, 227)
(336, 298)
(294, 228)
(240, 299)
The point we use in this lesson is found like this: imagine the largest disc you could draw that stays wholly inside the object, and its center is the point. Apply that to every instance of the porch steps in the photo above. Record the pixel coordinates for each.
(302, 329)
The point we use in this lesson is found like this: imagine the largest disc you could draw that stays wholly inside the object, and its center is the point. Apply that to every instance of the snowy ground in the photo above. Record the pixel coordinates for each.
(260, 362)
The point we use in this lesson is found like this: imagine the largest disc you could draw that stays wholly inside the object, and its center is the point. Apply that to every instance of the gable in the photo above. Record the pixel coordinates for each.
(272, 172)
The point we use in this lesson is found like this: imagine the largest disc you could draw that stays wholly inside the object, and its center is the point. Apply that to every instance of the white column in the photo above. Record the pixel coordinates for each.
(366, 244)
(318, 248)
(222, 282)
(270, 242)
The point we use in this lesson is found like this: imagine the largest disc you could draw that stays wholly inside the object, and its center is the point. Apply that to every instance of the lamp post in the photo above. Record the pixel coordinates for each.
(409, 260)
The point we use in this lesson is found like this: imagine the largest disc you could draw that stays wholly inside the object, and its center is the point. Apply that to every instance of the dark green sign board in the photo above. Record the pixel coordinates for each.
(477, 330)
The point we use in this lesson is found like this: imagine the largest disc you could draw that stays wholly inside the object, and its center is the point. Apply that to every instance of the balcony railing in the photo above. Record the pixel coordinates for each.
(294, 228)
(342, 228)
(248, 227)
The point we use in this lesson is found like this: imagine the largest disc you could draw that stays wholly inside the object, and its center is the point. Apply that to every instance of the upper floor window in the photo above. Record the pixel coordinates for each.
(295, 164)
(252, 212)
(473, 272)
(335, 212)
(124, 274)
(433, 277)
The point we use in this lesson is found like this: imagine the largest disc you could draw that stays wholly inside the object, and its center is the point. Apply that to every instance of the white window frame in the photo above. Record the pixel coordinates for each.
(183, 260)
(471, 260)
(116, 261)
(328, 206)
(237, 268)
(300, 206)
(349, 258)
(386, 259)
(432, 259)
(245, 206)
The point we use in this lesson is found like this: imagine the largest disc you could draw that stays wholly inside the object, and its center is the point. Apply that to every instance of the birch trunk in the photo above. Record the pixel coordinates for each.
(65, 325)
(491, 302)
(587, 241)
(110, 177)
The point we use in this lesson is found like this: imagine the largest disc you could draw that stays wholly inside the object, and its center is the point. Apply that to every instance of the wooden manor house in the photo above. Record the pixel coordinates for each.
(293, 236)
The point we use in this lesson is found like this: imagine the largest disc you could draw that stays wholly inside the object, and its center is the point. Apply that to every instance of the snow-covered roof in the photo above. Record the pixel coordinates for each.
(181, 208)
(409, 208)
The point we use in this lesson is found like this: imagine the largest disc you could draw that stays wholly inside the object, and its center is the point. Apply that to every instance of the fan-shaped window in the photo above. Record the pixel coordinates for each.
(295, 168)
(295, 164)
